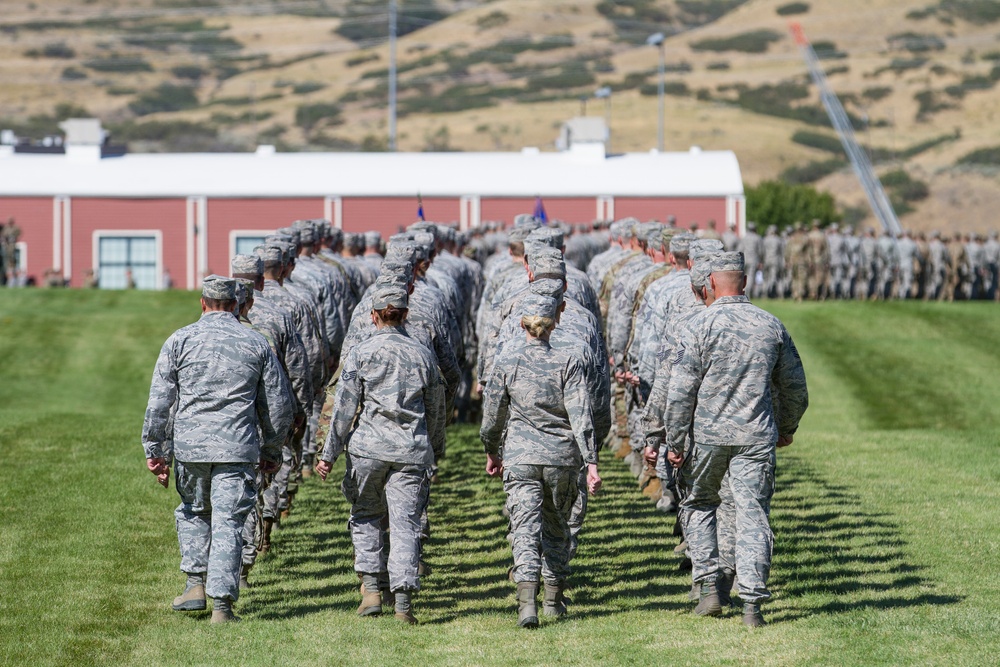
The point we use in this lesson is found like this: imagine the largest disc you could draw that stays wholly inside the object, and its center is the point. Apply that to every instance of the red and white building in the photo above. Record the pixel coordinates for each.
(187, 214)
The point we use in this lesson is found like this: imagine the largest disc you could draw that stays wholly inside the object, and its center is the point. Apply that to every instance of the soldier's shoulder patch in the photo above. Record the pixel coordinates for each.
(678, 355)
(349, 376)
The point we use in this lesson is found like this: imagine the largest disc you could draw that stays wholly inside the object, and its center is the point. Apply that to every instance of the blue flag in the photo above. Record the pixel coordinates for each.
(540, 211)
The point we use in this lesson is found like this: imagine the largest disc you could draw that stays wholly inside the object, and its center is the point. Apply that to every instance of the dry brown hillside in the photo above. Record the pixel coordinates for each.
(919, 77)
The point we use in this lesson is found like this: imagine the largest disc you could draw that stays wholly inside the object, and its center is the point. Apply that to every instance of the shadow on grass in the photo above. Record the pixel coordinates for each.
(829, 544)
(833, 554)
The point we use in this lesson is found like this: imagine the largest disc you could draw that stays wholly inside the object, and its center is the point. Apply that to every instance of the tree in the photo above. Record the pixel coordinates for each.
(781, 204)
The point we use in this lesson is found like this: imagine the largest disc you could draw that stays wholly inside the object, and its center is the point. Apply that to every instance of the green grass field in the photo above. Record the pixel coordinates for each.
(887, 517)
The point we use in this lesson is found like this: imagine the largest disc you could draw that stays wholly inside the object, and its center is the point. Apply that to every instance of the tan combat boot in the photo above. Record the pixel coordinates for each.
(752, 618)
(527, 605)
(265, 542)
(554, 604)
(709, 604)
(371, 603)
(404, 608)
(192, 599)
(244, 577)
(222, 612)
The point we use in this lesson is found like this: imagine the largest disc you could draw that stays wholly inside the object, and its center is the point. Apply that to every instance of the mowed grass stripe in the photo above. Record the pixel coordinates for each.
(885, 518)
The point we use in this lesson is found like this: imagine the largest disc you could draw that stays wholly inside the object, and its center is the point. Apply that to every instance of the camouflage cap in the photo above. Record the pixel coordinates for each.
(247, 264)
(545, 261)
(269, 254)
(335, 234)
(727, 261)
(426, 227)
(667, 235)
(681, 242)
(702, 267)
(520, 234)
(288, 251)
(536, 305)
(218, 287)
(404, 252)
(279, 236)
(373, 239)
(626, 227)
(554, 238)
(549, 287)
(389, 294)
(307, 236)
(394, 268)
(244, 291)
(703, 246)
(296, 234)
(525, 220)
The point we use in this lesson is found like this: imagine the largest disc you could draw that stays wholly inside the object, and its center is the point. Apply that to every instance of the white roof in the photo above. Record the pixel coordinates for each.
(580, 172)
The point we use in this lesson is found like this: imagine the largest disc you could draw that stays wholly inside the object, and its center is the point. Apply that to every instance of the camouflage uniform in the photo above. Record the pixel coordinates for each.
(390, 387)
(232, 410)
(774, 263)
(721, 387)
(538, 409)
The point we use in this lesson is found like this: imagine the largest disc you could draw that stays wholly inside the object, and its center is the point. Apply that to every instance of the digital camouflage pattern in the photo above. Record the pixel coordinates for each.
(227, 384)
(540, 500)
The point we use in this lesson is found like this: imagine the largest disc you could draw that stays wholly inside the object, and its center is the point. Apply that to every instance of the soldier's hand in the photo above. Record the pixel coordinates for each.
(620, 377)
(593, 479)
(323, 468)
(785, 440)
(269, 467)
(158, 466)
(632, 379)
(674, 459)
(650, 455)
(494, 465)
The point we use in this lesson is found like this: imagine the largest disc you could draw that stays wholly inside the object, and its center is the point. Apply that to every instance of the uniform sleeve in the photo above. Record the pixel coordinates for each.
(158, 422)
(619, 324)
(496, 402)
(299, 374)
(350, 393)
(447, 364)
(789, 378)
(435, 410)
(581, 415)
(654, 433)
(601, 404)
(686, 375)
(274, 407)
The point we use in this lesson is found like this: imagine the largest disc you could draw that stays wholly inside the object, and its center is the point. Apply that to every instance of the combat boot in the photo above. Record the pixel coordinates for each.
(725, 586)
(752, 617)
(371, 602)
(245, 577)
(554, 604)
(193, 597)
(222, 612)
(695, 593)
(653, 489)
(265, 542)
(681, 548)
(708, 605)
(666, 503)
(623, 450)
(527, 605)
(404, 607)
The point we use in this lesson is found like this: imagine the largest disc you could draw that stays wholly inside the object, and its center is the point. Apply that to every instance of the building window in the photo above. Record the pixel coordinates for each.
(246, 244)
(21, 256)
(120, 258)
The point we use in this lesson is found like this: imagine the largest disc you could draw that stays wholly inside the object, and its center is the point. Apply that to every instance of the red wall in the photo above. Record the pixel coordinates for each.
(387, 214)
(34, 216)
(225, 215)
(688, 210)
(167, 215)
(572, 210)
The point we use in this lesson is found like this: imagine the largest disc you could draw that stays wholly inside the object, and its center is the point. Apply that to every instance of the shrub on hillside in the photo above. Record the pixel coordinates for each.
(365, 19)
(877, 93)
(53, 50)
(901, 65)
(718, 65)
(361, 60)
(72, 74)
(811, 171)
(568, 77)
(677, 88)
(189, 72)
(307, 87)
(755, 41)
(987, 157)
(916, 42)
(823, 142)
(165, 97)
(119, 64)
(309, 116)
(793, 8)
(492, 20)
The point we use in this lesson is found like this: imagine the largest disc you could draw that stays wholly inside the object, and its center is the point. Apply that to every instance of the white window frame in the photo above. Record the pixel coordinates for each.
(235, 234)
(155, 234)
(22, 257)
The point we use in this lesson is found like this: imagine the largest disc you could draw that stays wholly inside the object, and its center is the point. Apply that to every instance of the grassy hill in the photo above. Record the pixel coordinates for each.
(886, 517)
(919, 77)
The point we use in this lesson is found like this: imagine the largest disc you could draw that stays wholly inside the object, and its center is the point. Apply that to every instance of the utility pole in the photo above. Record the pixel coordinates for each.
(657, 40)
(604, 93)
(392, 75)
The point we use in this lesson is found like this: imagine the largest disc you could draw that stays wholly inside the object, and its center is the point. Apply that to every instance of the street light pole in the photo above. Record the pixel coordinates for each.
(392, 75)
(604, 93)
(657, 40)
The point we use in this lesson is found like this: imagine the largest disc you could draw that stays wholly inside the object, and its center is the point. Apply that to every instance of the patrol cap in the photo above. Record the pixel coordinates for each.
(307, 236)
(372, 239)
(269, 255)
(401, 252)
(702, 267)
(401, 269)
(389, 294)
(244, 290)
(218, 287)
(554, 238)
(667, 235)
(549, 287)
(520, 234)
(626, 227)
(295, 234)
(703, 246)
(525, 220)
(247, 264)
(423, 226)
(682, 242)
(279, 236)
(287, 250)
(335, 234)
(727, 261)
(545, 261)
(536, 305)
